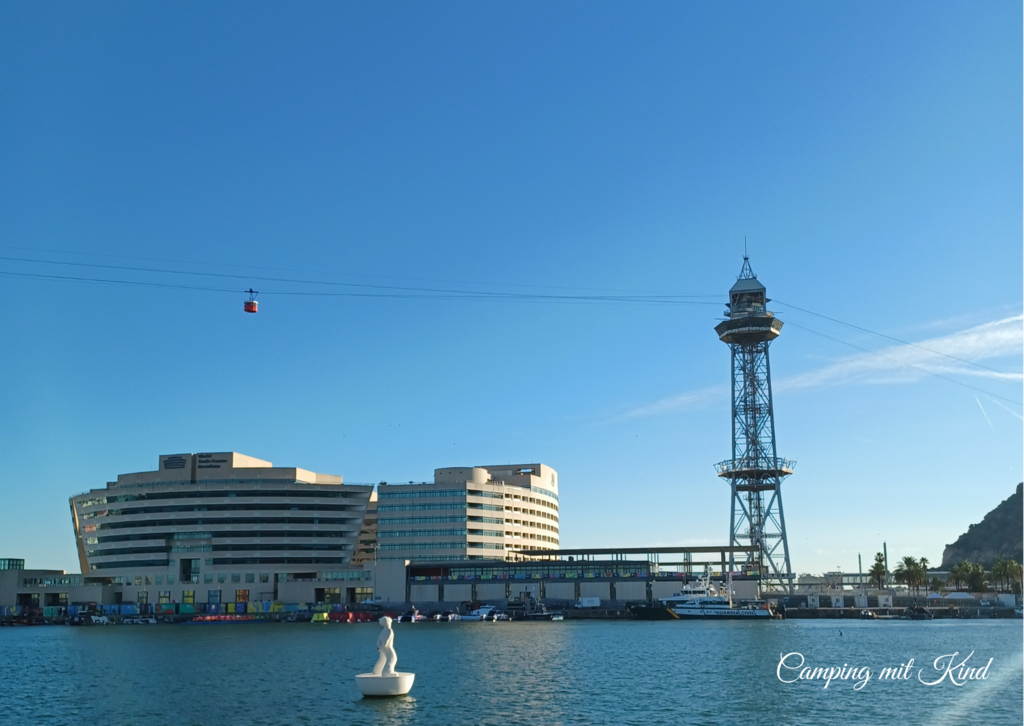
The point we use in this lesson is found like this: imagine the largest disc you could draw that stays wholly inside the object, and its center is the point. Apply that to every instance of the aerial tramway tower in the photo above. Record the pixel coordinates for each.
(755, 472)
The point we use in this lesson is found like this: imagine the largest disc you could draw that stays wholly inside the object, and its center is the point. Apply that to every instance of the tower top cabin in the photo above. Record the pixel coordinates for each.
(749, 321)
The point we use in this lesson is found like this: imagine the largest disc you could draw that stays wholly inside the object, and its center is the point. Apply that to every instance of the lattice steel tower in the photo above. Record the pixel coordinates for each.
(755, 472)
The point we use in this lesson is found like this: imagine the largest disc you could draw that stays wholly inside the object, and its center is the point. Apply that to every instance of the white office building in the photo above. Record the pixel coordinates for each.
(469, 513)
(219, 527)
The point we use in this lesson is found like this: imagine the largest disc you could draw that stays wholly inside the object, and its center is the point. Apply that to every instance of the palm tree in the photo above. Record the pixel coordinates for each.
(937, 584)
(976, 577)
(1013, 573)
(999, 572)
(877, 571)
(904, 572)
(914, 573)
(957, 574)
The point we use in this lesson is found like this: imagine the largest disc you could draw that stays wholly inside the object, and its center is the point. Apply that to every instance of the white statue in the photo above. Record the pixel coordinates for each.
(385, 646)
(384, 680)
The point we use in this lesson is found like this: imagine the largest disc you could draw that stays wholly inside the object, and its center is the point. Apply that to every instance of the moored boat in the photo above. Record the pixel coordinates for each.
(720, 608)
(482, 614)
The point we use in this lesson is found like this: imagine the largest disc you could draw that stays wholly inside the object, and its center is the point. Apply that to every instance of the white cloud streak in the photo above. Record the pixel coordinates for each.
(984, 414)
(890, 365)
(909, 363)
(676, 403)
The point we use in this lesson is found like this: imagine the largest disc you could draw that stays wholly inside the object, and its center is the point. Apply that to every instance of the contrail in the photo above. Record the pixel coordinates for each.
(1007, 408)
(985, 414)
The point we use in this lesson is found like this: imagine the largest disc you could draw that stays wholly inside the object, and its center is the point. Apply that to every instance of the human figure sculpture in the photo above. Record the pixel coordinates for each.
(385, 681)
(385, 646)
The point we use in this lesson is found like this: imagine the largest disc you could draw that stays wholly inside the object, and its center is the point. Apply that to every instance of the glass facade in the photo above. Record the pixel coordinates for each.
(535, 570)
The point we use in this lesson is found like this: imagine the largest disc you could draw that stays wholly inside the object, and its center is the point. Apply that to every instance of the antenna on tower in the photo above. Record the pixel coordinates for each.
(744, 246)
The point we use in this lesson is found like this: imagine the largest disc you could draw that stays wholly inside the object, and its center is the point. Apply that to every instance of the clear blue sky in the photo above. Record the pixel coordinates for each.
(870, 152)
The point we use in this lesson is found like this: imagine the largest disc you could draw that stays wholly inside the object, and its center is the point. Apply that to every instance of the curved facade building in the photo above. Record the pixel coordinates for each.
(469, 513)
(203, 523)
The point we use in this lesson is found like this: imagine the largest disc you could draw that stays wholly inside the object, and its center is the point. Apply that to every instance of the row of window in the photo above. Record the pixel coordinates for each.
(188, 597)
(255, 507)
(539, 537)
(224, 562)
(423, 533)
(419, 493)
(65, 581)
(206, 494)
(431, 507)
(253, 547)
(148, 524)
(442, 546)
(423, 520)
(346, 575)
(232, 533)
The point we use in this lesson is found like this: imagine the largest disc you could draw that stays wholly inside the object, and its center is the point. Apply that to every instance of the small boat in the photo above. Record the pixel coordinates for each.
(916, 612)
(1018, 612)
(482, 614)
(868, 615)
(412, 616)
(533, 610)
(320, 618)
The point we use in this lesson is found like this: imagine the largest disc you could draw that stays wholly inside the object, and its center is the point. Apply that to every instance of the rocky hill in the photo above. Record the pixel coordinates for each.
(999, 534)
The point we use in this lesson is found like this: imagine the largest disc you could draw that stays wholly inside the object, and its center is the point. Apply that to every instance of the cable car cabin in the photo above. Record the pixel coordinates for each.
(250, 306)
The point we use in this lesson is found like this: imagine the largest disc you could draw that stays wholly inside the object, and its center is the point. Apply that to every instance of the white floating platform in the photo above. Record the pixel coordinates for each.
(398, 684)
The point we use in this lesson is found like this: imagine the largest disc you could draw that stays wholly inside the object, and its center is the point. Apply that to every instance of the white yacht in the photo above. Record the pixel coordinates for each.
(702, 600)
(716, 607)
(481, 614)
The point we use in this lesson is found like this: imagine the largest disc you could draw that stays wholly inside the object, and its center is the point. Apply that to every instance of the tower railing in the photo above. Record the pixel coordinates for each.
(761, 464)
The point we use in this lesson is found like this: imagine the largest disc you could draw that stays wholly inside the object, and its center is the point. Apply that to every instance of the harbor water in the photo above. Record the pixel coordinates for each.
(573, 672)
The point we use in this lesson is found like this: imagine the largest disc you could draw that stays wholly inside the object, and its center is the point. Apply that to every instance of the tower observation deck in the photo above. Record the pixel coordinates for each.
(755, 472)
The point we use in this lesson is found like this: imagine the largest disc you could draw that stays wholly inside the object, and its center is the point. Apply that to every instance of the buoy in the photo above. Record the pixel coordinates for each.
(250, 304)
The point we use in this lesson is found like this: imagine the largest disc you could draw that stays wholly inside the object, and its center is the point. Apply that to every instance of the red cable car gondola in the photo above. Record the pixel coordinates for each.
(250, 304)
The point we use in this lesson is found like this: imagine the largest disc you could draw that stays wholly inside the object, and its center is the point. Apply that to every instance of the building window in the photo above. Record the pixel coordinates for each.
(209, 562)
(159, 579)
(264, 577)
(165, 596)
(207, 578)
(148, 580)
(363, 594)
(188, 596)
(138, 581)
(236, 577)
(329, 595)
(221, 577)
(142, 597)
(250, 577)
(170, 579)
(241, 596)
(213, 596)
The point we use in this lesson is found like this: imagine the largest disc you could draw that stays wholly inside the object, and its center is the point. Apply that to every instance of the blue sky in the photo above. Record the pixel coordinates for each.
(870, 154)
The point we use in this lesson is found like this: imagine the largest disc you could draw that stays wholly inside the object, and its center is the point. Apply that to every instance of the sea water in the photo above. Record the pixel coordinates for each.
(572, 672)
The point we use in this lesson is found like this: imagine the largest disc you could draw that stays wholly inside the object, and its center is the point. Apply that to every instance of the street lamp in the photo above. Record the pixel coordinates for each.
(375, 545)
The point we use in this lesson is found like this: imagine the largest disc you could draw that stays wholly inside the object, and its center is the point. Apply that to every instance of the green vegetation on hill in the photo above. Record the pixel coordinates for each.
(999, 534)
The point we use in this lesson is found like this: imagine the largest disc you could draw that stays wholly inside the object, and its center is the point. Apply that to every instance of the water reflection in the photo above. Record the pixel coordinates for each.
(496, 674)
(388, 711)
